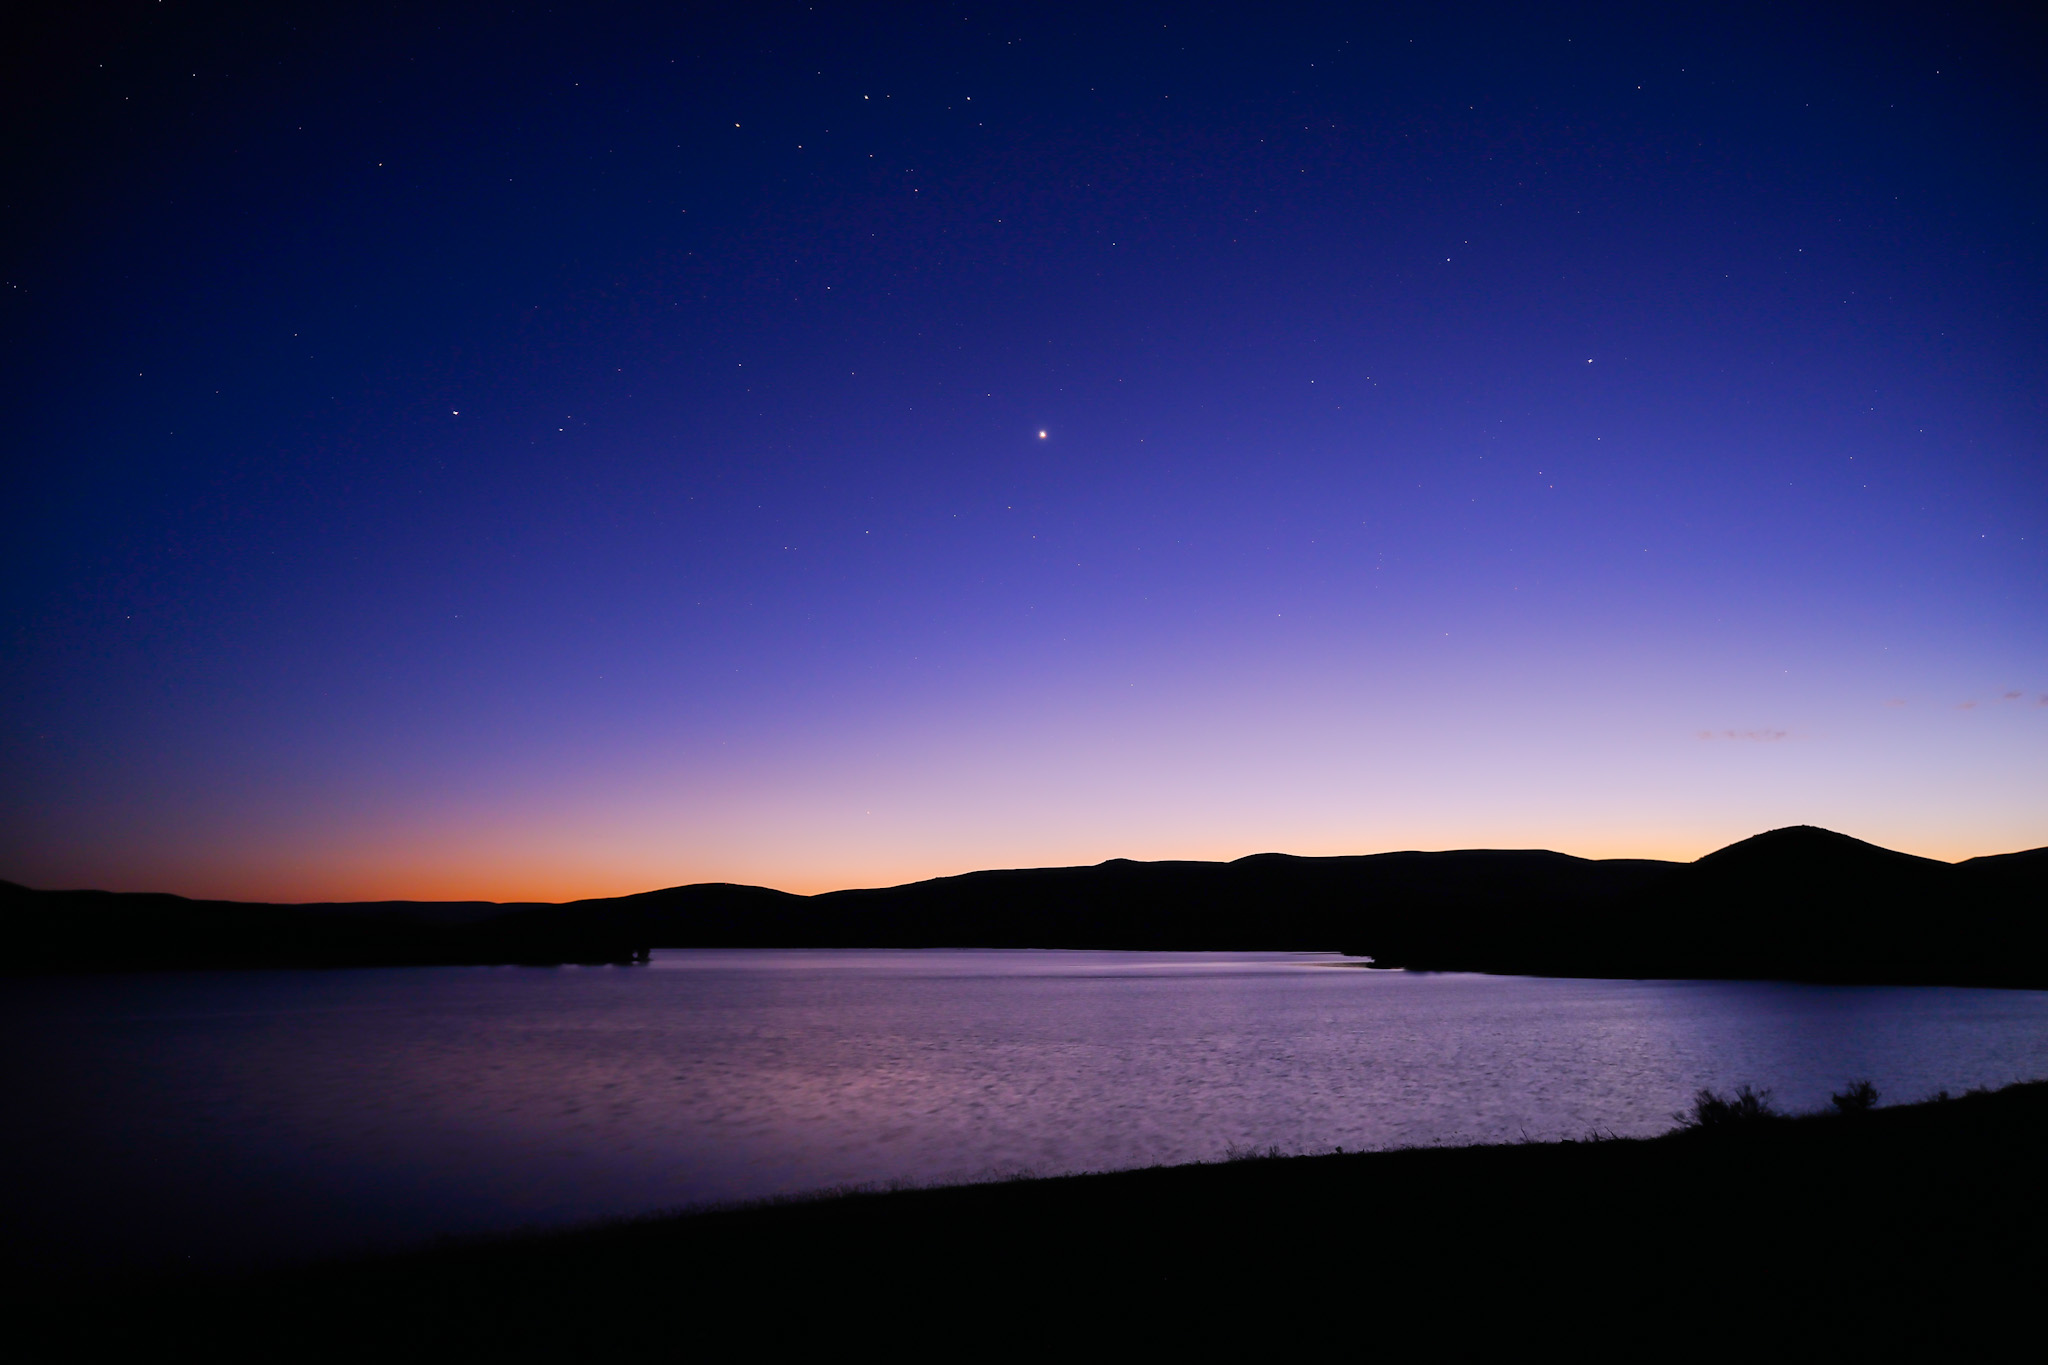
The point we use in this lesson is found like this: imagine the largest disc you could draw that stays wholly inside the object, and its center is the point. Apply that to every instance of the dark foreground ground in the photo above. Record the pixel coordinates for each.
(1910, 1230)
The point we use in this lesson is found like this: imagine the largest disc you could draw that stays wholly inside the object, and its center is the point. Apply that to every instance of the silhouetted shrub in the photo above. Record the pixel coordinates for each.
(1745, 1106)
(1859, 1098)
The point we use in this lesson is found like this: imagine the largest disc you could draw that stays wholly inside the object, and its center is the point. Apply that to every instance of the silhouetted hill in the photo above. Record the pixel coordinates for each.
(1800, 903)
(1266, 901)
(111, 931)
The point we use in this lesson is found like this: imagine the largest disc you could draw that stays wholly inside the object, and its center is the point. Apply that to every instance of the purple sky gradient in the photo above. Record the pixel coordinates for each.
(514, 456)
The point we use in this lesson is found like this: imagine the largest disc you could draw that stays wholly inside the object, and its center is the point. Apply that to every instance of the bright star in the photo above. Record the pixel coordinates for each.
(1041, 436)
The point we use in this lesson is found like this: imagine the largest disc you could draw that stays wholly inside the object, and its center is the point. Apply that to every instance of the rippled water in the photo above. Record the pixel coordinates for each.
(229, 1116)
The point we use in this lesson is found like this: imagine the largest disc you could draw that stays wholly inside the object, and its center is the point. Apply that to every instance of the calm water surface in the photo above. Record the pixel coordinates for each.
(223, 1117)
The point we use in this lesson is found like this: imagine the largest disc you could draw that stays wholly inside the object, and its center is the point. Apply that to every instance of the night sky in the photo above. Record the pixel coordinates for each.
(517, 452)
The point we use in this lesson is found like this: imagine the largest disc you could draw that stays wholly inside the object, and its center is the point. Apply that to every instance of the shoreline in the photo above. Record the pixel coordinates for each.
(1792, 904)
(1910, 1222)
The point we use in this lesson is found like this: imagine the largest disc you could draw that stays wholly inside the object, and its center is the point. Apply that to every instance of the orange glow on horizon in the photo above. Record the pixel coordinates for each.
(414, 877)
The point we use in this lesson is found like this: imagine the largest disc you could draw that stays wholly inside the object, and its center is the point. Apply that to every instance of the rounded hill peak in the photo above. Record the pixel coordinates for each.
(1806, 848)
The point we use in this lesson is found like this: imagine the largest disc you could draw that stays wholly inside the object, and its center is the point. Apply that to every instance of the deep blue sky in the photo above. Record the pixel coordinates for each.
(524, 452)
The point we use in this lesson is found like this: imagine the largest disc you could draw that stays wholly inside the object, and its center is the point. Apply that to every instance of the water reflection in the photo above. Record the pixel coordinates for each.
(230, 1115)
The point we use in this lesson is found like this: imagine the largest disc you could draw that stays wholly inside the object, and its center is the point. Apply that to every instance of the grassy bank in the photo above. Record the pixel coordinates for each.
(1912, 1227)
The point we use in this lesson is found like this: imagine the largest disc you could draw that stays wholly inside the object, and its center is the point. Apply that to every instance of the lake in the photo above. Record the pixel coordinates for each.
(222, 1118)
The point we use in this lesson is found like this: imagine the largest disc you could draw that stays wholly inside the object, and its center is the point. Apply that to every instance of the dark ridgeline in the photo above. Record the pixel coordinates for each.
(112, 931)
(1266, 901)
(1798, 903)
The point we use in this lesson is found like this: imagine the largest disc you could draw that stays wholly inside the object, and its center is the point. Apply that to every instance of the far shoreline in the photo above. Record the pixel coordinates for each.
(1792, 904)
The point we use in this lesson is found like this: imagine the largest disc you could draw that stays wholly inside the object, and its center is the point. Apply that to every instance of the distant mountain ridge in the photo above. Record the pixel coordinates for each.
(1800, 903)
